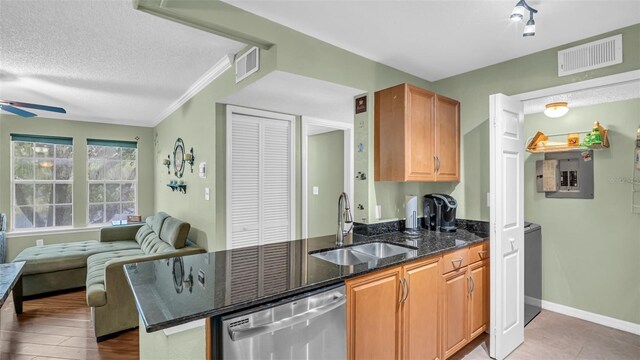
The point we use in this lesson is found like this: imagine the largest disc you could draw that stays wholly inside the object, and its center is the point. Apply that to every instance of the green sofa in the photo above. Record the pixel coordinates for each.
(98, 265)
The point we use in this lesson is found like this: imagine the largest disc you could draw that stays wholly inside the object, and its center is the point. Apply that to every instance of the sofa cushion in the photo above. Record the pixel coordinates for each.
(96, 265)
(175, 232)
(143, 232)
(157, 221)
(152, 244)
(56, 257)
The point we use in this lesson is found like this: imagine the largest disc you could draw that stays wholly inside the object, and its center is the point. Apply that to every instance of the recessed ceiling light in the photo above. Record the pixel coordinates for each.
(556, 109)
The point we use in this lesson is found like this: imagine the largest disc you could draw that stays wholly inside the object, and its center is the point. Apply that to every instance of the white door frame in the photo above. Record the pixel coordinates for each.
(556, 90)
(261, 114)
(349, 176)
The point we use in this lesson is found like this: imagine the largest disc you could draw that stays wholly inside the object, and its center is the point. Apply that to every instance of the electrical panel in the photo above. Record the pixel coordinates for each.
(566, 175)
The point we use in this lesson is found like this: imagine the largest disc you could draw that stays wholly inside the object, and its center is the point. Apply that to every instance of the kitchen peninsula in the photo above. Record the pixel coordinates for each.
(211, 286)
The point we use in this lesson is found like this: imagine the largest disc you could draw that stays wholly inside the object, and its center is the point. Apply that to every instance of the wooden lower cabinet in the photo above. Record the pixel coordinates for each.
(422, 310)
(374, 316)
(455, 312)
(478, 298)
(393, 314)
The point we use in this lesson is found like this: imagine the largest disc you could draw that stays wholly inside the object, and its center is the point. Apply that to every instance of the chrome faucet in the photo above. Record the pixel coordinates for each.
(344, 217)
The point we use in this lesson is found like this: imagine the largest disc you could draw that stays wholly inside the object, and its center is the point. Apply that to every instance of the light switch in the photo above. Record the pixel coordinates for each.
(206, 194)
(40, 242)
(316, 190)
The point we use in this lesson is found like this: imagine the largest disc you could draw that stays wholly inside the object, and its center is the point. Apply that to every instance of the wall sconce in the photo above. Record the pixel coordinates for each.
(190, 159)
(167, 162)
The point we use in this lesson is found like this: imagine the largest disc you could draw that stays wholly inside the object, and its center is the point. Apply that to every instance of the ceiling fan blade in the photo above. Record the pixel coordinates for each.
(37, 106)
(16, 111)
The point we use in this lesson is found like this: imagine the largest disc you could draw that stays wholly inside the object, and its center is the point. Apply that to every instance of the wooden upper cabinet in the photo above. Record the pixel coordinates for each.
(416, 135)
(374, 316)
(447, 139)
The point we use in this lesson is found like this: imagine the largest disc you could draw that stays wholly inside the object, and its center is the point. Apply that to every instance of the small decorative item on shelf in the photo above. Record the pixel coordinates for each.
(189, 158)
(178, 185)
(167, 162)
(596, 138)
(134, 218)
(573, 139)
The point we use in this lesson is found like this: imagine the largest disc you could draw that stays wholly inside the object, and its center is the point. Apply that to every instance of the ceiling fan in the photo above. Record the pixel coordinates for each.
(13, 107)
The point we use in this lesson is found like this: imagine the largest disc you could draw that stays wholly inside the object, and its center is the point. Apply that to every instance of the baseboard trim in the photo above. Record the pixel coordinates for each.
(592, 317)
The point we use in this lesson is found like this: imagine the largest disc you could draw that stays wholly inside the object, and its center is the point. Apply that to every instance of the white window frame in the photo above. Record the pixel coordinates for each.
(105, 182)
(36, 182)
(229, 172)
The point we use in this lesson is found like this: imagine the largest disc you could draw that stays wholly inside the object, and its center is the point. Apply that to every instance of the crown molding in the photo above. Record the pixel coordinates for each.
(210, 75)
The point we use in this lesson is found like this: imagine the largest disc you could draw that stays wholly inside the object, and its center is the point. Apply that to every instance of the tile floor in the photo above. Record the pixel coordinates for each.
(552, 336)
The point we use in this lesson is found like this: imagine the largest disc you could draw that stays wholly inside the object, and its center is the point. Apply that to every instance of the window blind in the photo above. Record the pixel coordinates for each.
(113, 143)
(42, 139)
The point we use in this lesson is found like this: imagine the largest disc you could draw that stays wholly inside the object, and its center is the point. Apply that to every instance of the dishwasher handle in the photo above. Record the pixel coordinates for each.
(285, 323)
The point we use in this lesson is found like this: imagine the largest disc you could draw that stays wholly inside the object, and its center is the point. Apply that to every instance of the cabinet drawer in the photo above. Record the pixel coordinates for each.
(478, 252)
(455, 260)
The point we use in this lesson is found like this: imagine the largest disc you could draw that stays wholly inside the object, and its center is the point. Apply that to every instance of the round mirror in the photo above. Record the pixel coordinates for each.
(178, 158)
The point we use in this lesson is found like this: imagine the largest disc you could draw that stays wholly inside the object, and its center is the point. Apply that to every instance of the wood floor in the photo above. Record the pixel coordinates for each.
(552, 336)
(59, 327)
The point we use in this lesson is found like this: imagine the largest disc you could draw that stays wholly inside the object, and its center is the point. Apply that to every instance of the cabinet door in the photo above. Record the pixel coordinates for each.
(447, 138)
(374, 316)
(478, 296)
(455, 307)
(389, 134)
(420, 132)
(421, 310)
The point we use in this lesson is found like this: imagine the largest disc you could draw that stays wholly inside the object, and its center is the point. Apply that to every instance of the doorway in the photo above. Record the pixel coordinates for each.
(327, 171)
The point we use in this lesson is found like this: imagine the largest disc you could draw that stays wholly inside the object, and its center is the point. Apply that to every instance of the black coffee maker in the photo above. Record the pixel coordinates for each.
(440, 212)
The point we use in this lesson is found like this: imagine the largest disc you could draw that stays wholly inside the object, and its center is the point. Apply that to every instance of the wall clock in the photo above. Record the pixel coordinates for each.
(178, 158)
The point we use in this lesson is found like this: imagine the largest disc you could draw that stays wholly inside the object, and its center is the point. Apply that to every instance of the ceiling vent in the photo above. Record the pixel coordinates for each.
(247, 64)
(593, 55)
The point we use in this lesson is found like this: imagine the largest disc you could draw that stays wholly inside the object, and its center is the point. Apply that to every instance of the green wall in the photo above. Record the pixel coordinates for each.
(326, 171)
(591, 248)
(200, 123)
(532, 72)
(80, 131)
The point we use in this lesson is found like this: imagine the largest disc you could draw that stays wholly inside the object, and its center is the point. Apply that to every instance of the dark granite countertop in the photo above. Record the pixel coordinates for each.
(9, 274)
(246, 277)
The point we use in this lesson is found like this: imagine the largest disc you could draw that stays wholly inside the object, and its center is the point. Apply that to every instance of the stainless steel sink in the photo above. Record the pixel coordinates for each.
(344, 256)
(460, 242)
(359, 254)
(381, 250)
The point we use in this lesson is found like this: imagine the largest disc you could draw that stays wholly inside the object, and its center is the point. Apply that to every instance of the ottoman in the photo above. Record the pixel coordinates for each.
(61, 266)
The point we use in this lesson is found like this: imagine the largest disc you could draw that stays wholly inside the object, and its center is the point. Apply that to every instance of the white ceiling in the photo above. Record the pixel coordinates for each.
(298, 95)
(593, 96)
(101, 60)
(437, 39)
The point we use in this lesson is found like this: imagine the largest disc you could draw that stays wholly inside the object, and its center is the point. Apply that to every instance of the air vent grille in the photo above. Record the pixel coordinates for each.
(247, 64)
(590, 56)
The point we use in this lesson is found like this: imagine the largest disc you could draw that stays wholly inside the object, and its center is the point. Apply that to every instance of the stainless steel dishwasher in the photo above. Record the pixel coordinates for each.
(309, 327)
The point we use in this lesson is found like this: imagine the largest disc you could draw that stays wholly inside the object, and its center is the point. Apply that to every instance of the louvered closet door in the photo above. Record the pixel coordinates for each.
(261, 173)
(245, 181)
(276, 199)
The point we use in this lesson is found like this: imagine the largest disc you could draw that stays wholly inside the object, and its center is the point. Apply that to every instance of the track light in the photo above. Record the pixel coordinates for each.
(518, 14)
(530, 28)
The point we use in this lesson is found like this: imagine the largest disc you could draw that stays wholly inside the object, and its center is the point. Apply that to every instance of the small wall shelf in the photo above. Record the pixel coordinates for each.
(538, 143)
(180, 187)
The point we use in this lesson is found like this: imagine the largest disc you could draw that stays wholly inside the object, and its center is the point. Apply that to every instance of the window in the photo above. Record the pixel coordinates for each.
(42, 181)
(112, 173)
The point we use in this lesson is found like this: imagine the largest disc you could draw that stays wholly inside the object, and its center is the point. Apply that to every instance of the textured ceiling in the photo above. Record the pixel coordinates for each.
(298, 95)
(597, 95)
(100, 60)
(437, 39)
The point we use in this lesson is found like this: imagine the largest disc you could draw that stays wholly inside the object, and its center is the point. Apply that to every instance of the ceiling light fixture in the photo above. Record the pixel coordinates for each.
(556, 109)
(518, 15)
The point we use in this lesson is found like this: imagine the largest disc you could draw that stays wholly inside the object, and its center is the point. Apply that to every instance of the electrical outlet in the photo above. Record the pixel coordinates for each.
(40, 242)
(316, 190)
(206, 194)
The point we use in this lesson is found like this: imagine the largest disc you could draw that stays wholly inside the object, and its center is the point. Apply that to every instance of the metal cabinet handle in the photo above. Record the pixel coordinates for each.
(408, 290)
(473, 283)
(438, 162)
(285, 323)
(403, 290)
(457, 260)
(435, 163)
(468, 285)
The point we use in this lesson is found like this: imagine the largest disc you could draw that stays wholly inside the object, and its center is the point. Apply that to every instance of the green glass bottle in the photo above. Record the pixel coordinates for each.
(595, 134)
